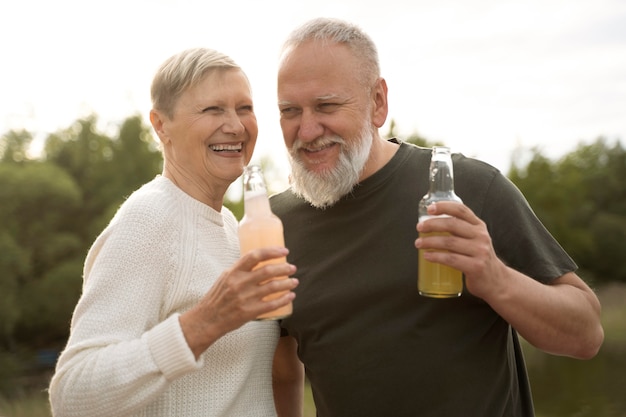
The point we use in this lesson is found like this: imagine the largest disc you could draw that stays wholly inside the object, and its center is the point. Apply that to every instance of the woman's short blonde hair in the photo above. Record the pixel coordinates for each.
(182, 71)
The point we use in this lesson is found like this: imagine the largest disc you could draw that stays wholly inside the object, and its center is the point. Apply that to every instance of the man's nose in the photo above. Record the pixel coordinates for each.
(310, 127)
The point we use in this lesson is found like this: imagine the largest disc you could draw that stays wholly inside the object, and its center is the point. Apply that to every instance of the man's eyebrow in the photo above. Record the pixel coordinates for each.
(329, 97)
(319, 98)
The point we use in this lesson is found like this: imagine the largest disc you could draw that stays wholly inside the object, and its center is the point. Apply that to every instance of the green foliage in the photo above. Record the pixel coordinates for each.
(48, 304)
(13, 265)
(36, 198)
(236, 206)
(14, 146)
(51, 210)
(31, 404)
(106, 170)
(581, 199)
(9, 367)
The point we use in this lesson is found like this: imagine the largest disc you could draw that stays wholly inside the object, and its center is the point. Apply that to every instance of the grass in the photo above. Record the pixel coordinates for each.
(612, 297)
(309, 405)
(35, 404)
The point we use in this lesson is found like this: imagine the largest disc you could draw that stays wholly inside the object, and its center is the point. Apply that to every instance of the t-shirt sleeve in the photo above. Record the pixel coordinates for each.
(519, 237)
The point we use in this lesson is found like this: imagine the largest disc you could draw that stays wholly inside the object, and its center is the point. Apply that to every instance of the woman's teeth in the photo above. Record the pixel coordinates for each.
(226, 148)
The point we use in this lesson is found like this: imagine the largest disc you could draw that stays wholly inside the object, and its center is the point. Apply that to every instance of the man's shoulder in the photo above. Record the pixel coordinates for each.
(459, 159)
(282, 195)
(472, 171)
(285, 201)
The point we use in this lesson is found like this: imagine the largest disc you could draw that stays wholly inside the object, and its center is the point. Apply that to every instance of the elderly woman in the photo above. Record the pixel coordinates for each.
(165, 325)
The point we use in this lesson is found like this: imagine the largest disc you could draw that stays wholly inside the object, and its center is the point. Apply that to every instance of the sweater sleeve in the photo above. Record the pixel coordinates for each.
(123, 352)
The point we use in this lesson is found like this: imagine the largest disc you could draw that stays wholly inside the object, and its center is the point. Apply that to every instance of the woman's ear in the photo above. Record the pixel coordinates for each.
(158, 122)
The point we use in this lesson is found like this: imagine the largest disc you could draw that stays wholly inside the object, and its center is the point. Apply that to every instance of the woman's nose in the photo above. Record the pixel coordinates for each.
(232, 123)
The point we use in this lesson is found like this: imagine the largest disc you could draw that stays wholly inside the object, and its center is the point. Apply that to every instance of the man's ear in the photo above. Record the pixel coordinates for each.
(381, 105)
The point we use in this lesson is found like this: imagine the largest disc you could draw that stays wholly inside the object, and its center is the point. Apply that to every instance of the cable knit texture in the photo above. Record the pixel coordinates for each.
(127, 355)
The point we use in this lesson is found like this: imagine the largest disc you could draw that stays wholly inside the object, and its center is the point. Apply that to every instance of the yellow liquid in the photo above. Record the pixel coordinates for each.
(258, 233)
(437, 280)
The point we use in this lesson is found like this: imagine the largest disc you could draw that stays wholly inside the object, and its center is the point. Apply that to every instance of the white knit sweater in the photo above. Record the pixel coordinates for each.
(127, 355)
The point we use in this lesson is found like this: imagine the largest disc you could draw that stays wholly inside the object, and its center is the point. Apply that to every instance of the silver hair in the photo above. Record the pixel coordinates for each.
(332, 30)
(184, 70)
(324, 189)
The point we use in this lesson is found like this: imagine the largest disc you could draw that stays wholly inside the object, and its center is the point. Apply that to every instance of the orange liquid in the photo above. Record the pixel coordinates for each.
(437, 280)
(258, 233)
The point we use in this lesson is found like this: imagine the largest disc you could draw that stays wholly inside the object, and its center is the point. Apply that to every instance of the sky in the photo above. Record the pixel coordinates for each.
(486, 77)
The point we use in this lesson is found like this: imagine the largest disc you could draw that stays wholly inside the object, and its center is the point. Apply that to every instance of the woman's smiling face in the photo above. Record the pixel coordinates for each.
(213, 131)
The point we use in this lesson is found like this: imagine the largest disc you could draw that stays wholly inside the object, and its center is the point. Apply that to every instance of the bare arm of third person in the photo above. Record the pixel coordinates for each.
(562, 318)
(288, 379)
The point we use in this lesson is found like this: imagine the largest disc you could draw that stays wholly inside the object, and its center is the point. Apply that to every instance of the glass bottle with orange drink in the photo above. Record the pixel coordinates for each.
(434, 279)
(259, 227)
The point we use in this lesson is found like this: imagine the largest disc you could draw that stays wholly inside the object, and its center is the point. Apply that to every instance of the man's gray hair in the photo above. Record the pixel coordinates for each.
(339, 31)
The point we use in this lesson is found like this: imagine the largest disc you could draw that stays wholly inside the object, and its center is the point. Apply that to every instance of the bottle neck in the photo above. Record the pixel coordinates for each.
(441, 176)
(255, 200)
(441, 179)
(256, 204)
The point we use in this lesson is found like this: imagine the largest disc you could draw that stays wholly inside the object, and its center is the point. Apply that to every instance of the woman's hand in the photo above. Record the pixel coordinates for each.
(238, 297)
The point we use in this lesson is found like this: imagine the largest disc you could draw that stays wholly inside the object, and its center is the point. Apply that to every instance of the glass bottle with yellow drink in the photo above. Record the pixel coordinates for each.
(434, 279)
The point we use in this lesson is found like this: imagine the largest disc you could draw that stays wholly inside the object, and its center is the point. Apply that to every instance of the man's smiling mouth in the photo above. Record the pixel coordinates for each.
(318, 148)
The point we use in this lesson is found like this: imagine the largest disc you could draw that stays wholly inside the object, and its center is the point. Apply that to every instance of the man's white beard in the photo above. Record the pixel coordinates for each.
(324, 189)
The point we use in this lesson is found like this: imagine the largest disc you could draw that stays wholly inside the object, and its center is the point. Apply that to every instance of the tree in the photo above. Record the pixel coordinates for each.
(13, 264)
(34, 240)
(106, 169)
(14, 146)
(581, 199)
(52, 209)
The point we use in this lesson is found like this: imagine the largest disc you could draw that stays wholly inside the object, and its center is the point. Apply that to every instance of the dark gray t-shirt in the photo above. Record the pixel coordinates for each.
(371, 345)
